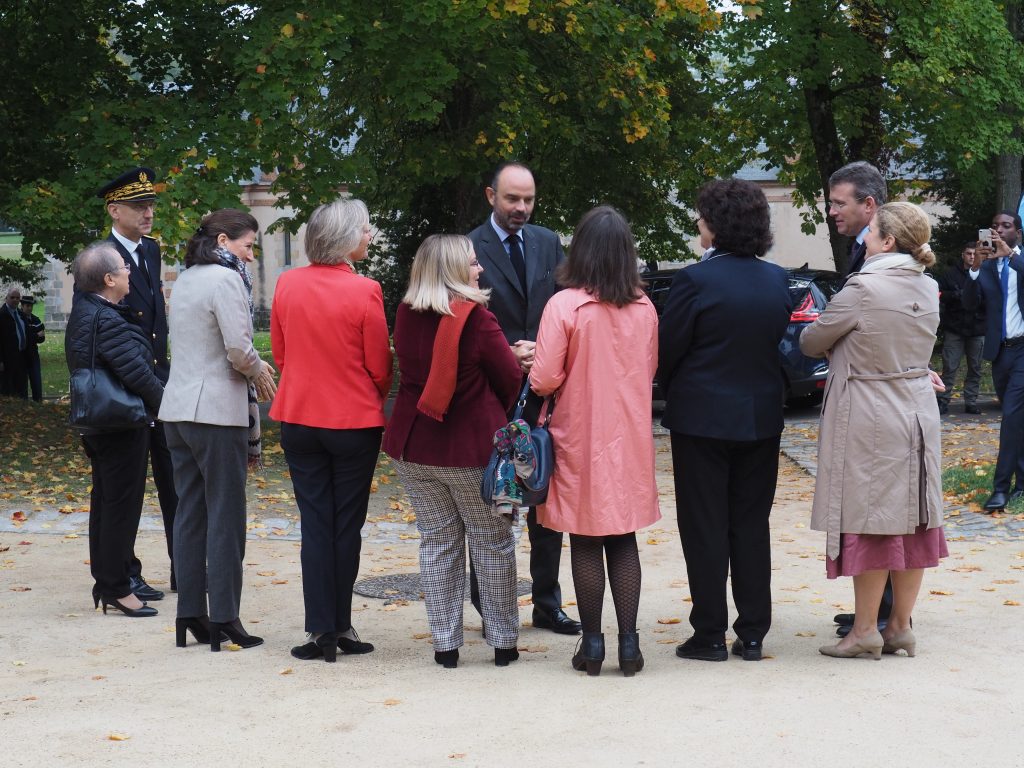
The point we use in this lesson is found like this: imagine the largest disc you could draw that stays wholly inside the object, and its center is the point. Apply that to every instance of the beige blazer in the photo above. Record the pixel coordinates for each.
(212, 356)
(878, 447)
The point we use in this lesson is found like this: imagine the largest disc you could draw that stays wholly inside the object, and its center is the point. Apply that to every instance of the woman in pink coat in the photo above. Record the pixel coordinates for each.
(597, 347)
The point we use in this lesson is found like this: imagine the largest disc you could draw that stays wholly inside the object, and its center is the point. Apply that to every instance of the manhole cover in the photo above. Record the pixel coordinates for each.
(406, 586)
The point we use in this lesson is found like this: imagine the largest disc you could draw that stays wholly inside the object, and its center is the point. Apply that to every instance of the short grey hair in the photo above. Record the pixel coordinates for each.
(93, 263)
(335, 230)
(865, 178)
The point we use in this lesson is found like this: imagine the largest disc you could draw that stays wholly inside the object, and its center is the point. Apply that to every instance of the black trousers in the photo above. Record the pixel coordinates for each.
(35, 373)
(1008, 378)
(545, 545)
(163, 478)
(115, 505)
(724, 494)
(331, 472)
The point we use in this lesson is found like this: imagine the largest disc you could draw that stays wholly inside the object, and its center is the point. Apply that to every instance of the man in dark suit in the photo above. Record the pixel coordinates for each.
(519, 261)
(130, 200)
(13, 344)
(855, 193)
(998, 285)
(35, 334)
(963, 333)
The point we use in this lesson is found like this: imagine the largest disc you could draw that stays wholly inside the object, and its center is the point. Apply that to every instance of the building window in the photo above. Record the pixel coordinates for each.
(287, 248)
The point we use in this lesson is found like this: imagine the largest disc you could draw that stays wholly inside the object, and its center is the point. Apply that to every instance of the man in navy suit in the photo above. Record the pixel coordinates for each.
(519, 261)
(130, 201)
(998, 285)
(855, 193)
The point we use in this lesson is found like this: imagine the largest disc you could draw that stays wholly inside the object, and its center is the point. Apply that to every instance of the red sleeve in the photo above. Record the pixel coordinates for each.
(376, 344)
(496, 359)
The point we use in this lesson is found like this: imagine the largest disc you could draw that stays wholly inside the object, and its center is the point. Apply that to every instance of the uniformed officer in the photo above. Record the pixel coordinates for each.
(131, 200)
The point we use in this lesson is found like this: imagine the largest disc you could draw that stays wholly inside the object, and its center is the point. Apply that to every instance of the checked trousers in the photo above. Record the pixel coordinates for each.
(449, 513)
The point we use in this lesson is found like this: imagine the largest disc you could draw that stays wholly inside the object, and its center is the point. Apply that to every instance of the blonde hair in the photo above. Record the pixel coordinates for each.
(335, 230)
(908, 225)
(440, 275)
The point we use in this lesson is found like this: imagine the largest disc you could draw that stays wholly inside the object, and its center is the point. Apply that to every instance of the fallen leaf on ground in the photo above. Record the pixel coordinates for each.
(806, 634)
(1010, 602)
(939, 592)
(673, 620)
(233, 647)
(99, 677)
(266, 573)
(118, 737)
(391, 702)
(533, 648)
(286, 671)
(21, 589)
(279, 581)
(421, 636)
(456, 755)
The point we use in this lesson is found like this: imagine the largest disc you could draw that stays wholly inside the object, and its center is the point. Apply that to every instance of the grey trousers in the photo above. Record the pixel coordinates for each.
(209, 527)
(448, 513)
(954, 348)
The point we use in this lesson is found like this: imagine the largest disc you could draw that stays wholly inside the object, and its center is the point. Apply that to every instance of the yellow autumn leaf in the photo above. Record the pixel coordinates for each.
(1010, 602)
(939, 592)
(118, 737)
(805, 634)
(286, 671)
(391, 702)
(673, 620)
(287, 30)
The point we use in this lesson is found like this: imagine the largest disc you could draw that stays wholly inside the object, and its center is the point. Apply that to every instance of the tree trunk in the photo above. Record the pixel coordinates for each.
(828, 156)
(1008, 167)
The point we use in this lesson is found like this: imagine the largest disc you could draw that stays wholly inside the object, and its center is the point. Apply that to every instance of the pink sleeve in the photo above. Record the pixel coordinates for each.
(548, 371)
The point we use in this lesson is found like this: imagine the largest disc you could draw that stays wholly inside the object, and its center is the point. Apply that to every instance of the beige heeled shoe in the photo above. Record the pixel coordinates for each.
(871, 644)
(904, 640)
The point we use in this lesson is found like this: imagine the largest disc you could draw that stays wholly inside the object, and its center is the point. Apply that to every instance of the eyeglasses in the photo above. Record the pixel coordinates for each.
(125, 267)
(840, 206)
(474, 263)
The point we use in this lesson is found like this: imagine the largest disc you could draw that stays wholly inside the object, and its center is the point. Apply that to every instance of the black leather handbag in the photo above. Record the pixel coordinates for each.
(99, 401)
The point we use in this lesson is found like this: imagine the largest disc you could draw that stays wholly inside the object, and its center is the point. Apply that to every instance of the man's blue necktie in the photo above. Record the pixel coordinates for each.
(1004, 281)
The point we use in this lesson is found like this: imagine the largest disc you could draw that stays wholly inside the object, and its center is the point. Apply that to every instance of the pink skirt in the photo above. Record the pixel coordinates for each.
(861, 552)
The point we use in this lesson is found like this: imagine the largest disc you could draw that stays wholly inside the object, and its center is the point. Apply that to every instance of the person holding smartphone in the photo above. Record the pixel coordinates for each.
(963, 332)
(997, 283)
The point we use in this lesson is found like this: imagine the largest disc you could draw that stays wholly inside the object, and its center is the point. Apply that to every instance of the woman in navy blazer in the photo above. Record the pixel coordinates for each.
(458, 378)
(719, 364)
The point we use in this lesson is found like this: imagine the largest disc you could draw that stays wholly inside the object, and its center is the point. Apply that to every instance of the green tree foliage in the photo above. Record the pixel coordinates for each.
(920, 89)
(411, 105)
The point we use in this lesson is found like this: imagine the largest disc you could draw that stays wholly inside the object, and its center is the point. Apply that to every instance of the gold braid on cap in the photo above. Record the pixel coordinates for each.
(133, 190)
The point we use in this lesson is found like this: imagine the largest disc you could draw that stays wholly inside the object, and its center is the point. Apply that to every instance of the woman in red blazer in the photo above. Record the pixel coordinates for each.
(330, 342)
(458, 378)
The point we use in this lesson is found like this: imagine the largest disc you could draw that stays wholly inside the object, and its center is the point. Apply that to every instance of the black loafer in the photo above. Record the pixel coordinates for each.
(556, 622)
(695, 649)
(750, 650)
(972, 408)
(996, 502)
(143, 591)
(843, 618)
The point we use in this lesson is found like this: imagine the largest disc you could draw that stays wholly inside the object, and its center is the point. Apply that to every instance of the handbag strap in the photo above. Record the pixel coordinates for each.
(549, 401)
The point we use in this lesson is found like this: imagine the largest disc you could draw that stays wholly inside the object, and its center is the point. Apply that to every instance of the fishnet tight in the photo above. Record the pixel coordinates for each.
(588, 557)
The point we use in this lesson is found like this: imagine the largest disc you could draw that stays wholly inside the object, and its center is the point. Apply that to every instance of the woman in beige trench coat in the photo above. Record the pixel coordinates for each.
(879, 493)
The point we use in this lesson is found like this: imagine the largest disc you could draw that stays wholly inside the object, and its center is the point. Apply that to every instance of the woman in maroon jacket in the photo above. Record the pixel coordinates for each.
(458, 378)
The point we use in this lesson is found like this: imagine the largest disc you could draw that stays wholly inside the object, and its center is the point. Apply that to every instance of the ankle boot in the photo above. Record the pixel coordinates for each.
(589, 653)
(631, 660)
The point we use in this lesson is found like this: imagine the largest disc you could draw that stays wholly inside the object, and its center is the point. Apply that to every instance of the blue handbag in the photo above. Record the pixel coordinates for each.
(535, 489)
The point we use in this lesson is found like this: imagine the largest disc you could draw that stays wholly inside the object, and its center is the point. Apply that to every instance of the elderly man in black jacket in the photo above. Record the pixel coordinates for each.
(963, 332)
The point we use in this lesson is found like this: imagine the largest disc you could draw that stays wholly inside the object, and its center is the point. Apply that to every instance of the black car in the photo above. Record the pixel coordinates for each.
(811, 290)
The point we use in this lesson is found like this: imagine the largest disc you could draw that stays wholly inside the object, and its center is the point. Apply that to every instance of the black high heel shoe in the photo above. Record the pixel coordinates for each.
(447, 659)
(235, 633)
(631, 660)
(589, 653)
(199, 626)
(325, 646)
(135, 613)
(95, 597)
(502, 656)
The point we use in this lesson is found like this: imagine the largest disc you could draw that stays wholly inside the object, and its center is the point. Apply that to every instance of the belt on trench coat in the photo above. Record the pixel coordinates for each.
(832, 540)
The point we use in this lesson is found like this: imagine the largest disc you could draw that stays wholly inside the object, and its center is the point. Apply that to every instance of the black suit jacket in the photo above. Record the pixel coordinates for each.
(146, 300)
(518, 315)
(988, 291)
(718, 349)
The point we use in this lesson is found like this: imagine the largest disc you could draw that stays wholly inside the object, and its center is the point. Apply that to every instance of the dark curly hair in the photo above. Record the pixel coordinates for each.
(602, 258)
(737, 214)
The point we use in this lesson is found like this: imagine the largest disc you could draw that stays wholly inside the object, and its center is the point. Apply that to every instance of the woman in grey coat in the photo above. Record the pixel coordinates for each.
(206, 417)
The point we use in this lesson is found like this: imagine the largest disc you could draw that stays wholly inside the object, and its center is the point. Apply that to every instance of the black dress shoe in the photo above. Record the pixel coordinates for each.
(702, 651)
(143, 591)
(996, 502)
(750, 650)
(972, 408)
(556, 621)
(843, 618)
(1015, 495)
